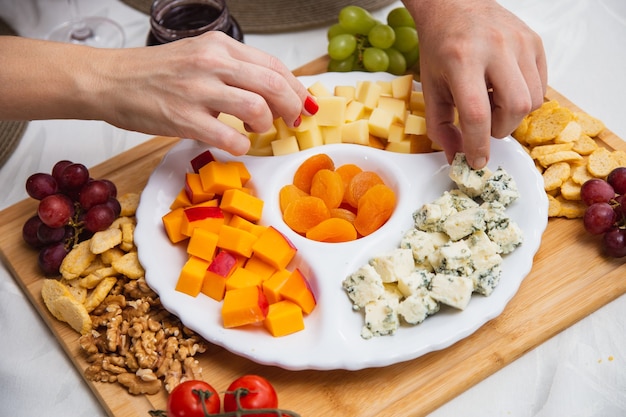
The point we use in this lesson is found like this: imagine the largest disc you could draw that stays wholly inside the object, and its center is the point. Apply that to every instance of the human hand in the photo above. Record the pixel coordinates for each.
(179, 89)
(479, 58)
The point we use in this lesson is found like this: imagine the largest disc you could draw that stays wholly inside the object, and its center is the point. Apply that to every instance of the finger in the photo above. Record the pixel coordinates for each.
(213, 132)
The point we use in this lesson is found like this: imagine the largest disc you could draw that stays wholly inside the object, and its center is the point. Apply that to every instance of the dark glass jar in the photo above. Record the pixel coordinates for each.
(171, 20)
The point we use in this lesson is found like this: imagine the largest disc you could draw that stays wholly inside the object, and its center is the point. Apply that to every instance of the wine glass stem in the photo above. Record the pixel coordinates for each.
(80, 31)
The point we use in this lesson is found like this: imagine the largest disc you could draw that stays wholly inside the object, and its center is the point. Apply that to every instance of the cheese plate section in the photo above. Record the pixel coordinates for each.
(332, 335)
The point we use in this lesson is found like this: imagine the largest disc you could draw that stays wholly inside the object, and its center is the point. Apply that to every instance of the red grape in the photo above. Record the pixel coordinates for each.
(48, 235)
(614, 242)
(93, 193)
(50, 258)
(596, 190)
(599, 218)
(112, 187)
(29, 231)
(56, 210)
(617, 179)
(98, 218)
(73, 177)
(41, 185)
(115, 205)
(58, 168)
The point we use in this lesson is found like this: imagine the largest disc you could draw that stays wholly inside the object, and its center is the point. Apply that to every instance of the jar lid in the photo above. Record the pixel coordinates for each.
(273, 16)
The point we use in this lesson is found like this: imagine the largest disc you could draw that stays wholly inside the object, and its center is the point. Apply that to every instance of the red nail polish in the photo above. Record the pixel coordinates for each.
(297, 122)
(311, 105)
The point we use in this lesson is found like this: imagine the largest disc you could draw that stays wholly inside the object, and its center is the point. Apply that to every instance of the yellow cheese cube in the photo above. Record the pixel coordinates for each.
(265, 151)
(396, 133)
(310, 138)
(261, 140)
(393, 105)
(232, 121)
(285, 146)
(318, 89)
(331, 111)
(355, 110)
(346, 91)
(368, 93)
(380, 121)
(331, 134)
(402, 86)
(416, 103)
(385, 87)
(356, 132)
(415, 125)
(282, 130)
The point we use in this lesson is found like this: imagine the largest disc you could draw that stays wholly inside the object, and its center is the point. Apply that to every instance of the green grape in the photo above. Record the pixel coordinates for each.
(341, 46)
(406, 39)
(344, 65)
(381, 36)
(335, 30)
(412, 57)
(397, 62)
(400, 17)
(356, 20)
(375, 59)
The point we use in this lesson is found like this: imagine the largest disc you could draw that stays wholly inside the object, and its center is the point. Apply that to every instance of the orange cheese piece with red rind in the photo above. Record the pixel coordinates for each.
(298, 290)
(191, 276)
(244, 174)
(202, 244)
(243, 306)
(172, 222)
(238, 202)
(194, 190)
(241, 278)
(283, 318)
(236, 240)
(221, 267)
(209, 218)
(272, 285)
(274, 248)
(217, 177)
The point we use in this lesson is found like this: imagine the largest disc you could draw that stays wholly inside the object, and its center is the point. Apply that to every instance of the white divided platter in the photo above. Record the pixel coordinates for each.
(331, 338)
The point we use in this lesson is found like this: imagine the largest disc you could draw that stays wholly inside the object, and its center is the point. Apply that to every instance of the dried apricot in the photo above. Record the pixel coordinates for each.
(359, 184)
(343, 213)
(287, 194)
(304, 213)
(303, 176)
(333, 230)
(374, 209)
(328, 186)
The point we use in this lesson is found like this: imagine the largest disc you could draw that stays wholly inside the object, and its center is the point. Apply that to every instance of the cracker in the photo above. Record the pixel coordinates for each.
(108, 257)
(590, 125)
(571, 209)
(129, 265)
(128, 232)
(580, 174)
(562, 156)
(104, 240)
(129, 203)
(554, 206)
(78, 292)
(600, 163)
(619, 157)
(584, 145)
(546, 128)
(99, 293)
(555, 175)
(543, 150)
(64, 307)
(570, 133)
(570, 190)
(77, 261)
(93, 279)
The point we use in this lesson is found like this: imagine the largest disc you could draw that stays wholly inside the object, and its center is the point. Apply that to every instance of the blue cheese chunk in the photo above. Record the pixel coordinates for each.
(421, 244)
(507, 238)
(363, 286)
(430, 217)
(461, 201)
(464, 223)
(394, 264)
(453, 290)
(415, 282)
(470, 181)
(453, 258)
(381, 318)
(486, 261)
(415, 308)
(500, 187)
(485, 280)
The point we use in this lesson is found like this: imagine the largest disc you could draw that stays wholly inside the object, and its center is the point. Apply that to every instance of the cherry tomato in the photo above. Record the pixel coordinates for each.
(256, 392)
(184, 400)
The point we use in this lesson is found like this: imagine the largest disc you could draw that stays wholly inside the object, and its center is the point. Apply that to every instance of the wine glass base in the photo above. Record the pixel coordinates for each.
(94, 31)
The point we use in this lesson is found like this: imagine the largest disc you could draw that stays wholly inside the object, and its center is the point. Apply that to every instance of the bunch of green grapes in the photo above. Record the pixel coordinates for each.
(358, 42)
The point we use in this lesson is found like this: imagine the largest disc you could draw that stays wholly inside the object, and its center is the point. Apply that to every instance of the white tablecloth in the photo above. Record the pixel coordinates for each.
(580, 372)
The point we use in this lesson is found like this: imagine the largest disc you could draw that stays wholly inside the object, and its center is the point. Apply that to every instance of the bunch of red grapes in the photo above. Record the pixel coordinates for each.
(72, 207)
(606, 210)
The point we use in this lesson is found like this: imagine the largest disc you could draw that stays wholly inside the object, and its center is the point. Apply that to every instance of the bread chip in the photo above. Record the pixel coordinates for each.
(590, 125)
(580, 174)
(99, 293)
(64, 307)
(571, 209)
(570, 133)
(128, 233)
(77, 261)
(543, 150)
(562, 156)
(129, 265)
(520, 132)
(108, 257)
(600, 163)
(93, 279)
(584, 145)
(570, 190)
(554, 206)
(619, 157)
(129, 203)
(546, 128)
(555, 175)
(78, 292)
(104, 240)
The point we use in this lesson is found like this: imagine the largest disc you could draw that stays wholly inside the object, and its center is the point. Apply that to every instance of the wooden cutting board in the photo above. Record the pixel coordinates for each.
(550, 299)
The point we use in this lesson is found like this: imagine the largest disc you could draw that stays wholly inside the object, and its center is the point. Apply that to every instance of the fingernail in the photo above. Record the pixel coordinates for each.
(479, 162)
(297, 122)
(311, 105)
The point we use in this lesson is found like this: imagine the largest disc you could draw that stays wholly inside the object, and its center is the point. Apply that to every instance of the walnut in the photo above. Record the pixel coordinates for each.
(137, 386)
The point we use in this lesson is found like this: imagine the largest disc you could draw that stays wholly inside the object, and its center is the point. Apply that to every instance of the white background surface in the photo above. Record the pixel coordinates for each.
(580, 372)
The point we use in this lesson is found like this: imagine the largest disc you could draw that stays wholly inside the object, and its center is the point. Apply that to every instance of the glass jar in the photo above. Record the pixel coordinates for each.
(171, 20)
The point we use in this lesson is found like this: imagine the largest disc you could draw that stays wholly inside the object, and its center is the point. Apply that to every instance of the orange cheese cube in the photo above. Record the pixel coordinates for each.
(181, 200)
(217, 177)
(193, 188)
(191, 276)
(172, 222)
(298, 290)
(243, 204)
(244, 306)
(274, 248)
(272, 285)
(202, 244)
(222, 266)
(244, 174)
(236, 240)
(243, 224)
(260, 267)
(241, 278)
(209, 218)
(213, 202)
(284, 318)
